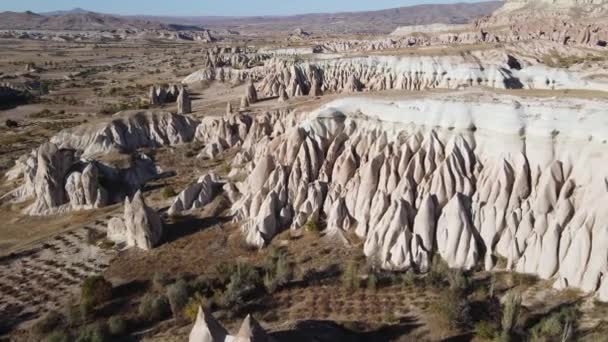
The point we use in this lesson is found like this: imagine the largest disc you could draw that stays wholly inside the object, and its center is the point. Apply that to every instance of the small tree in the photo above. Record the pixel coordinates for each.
(153, 308)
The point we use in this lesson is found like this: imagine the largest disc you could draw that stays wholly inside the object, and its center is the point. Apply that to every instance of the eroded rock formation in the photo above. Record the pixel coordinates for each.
(65, 173)
(140, 227)
(494, 69)
(418, 178)
(208, 329)
(196, 195)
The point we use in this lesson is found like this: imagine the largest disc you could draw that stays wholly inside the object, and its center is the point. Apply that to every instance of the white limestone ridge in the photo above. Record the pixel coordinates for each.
(128, 131)
(430, 28)
(470, 177)
(513, 5)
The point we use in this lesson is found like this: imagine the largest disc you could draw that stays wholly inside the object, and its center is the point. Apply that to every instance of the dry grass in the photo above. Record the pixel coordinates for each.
(19, 231)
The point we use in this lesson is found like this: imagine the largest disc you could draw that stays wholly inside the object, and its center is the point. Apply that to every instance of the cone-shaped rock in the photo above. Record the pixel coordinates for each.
(207, 329)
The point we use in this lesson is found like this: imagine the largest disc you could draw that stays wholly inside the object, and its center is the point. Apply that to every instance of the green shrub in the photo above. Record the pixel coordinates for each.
(49, 322)
(278, 271)
(168, 192)
(191, 308)
(177, 294)
(409, 279)
(557, 326)
(58, 336)
(245, 277)
(95, 290)
(93, 333)
(269, 283)
(117, 326)
(224, 271)
(372, 282)
(202, 284)
(458, 280)
(153, 308)
(487, 330)
(312, 227)
(510, 313)
(437, 275)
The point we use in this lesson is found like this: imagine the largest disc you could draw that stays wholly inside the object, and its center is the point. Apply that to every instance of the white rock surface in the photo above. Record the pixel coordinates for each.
(129, 131)
(469, 177)
(141, 226)
(64, 174)
(207, 329)
(196, 195)
(493, 68)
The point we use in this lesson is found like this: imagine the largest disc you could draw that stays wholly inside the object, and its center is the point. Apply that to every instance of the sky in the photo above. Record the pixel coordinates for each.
(210, 7)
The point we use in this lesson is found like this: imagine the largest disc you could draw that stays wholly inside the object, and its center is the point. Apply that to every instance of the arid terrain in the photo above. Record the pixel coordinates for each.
(431, 173)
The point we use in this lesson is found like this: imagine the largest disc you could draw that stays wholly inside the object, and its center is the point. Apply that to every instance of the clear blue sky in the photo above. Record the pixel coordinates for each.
(210, 7)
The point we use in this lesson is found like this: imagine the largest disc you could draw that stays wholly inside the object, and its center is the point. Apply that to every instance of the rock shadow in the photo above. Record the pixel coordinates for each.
(326, 331)
(182, 226)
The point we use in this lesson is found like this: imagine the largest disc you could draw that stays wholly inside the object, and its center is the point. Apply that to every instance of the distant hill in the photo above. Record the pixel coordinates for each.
(383, 21)
(76, 10)
(74, 20)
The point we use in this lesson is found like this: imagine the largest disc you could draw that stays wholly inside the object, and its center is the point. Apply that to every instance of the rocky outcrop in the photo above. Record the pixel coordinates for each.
(84, 189)
(127, 132)
(416, 178)
(207, 329)
(493, 69)
(67, 172)
(159, 95)
(52, 166)
(197, 195)
(140, 227)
